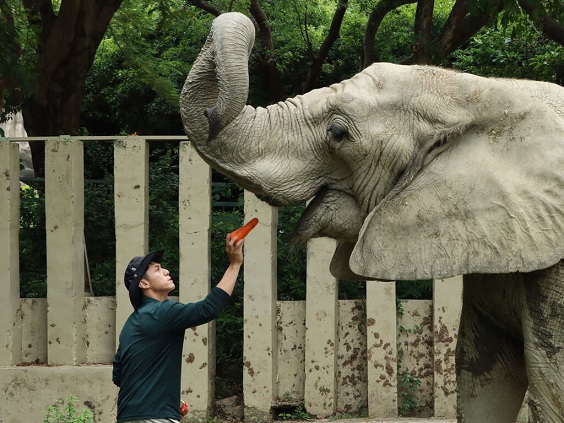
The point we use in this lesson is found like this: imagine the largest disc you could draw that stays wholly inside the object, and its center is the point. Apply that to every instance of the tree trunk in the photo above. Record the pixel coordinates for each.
(423, 25)
(461, 26)
(321, 55)
(458, 28)
(66, 48)
(551, 28)
(374, 21)
(265, 62)
(2, 88)
(11, 50)
(205, 6)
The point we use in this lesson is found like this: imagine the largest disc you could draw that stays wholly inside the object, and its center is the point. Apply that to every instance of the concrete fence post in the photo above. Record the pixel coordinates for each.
(131, 204)
(10, 313)
(381, 344)
(64, 224)
(194, 282)
(260, 347)
(321, 330)
(447, 306)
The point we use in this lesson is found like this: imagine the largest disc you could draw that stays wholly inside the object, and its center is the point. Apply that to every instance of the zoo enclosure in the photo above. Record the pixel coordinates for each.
(331, 355)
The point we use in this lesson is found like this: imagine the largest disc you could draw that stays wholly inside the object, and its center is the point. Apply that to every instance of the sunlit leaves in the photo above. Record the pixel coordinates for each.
(499, 53)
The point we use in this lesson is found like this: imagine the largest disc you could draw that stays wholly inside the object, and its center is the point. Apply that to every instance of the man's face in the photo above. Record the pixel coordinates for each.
(157, 279)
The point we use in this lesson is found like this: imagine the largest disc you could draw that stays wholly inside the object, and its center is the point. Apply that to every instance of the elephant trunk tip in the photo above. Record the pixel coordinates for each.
(214, 121)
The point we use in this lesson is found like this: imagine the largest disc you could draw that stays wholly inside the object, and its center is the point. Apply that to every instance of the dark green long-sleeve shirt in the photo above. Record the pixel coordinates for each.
(148, 360)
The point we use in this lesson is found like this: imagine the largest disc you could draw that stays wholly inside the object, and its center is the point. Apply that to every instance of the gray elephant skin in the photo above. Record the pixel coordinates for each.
(418, 172)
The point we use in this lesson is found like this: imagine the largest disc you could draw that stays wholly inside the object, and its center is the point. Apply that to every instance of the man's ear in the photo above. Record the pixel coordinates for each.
(144, 284)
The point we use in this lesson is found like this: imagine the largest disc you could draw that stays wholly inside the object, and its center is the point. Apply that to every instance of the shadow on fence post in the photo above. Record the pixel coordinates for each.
(131, 204)
(447, 305)
(194, 215)
(10, 314)
(64, 225)
(260, 348)
(381, 347)
(321, 329)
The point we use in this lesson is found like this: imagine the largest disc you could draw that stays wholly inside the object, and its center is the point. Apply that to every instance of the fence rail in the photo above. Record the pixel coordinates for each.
(333, 356)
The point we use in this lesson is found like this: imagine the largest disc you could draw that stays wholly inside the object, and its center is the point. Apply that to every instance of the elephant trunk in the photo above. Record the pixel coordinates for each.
(217, 86)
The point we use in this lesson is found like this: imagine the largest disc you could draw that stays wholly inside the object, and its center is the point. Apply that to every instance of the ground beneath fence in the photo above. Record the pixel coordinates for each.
(367, 420)
(230, 410)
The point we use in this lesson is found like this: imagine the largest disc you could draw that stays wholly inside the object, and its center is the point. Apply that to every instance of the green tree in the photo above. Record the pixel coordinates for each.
(499, 53)
(48, 50)
(434, 38)
(135, 81)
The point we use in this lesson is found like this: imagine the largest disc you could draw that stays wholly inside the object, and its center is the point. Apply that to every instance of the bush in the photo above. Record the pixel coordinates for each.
(69, 413)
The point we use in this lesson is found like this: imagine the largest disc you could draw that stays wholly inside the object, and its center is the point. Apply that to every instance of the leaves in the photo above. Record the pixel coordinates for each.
(499, 53)
(69, 413)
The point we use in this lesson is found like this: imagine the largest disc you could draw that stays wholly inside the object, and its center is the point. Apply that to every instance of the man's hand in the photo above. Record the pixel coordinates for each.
(234, 250)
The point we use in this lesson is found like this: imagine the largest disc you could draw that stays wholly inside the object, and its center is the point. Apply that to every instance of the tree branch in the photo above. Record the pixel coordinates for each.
(2, 88)
(459, 30)
(373, 24)
(306, 31)
(321, 55)
(11, 41)
(39, 11)
(205, 6)
(267, 66)
(7, 13)
(422, 30)
(459, 27)
(551, 28)
(261, 21)
(10, 52)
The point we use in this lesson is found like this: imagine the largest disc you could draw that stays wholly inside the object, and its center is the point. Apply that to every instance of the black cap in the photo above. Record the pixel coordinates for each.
(135, 271)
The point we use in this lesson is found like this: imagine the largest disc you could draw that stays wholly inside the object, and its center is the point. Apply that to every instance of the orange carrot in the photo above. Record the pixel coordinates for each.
(244, 230)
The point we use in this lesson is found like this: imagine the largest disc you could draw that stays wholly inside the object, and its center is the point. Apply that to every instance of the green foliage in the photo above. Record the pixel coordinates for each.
(18, 44)
(292, 258)
(142, 61)
(229, 326)
(99, 219)
(140, 67)
(69, 413)
(395, 36)
(163, 203)
(420, 290)
(408, 384)
(501, 53)
(32, 252)
(297, 414)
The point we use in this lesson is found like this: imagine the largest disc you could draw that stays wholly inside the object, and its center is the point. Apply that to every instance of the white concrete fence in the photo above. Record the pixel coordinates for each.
(333, 356)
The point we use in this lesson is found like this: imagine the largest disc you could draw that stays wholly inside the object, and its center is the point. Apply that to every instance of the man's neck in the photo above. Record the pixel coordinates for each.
(159, 296)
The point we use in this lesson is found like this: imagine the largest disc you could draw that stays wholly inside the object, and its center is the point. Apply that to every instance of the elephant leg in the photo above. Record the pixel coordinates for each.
(490, 361)
(543, 330)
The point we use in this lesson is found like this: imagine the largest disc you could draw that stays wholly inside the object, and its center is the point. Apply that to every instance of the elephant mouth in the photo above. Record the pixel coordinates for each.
(270, 200)
(331, 213)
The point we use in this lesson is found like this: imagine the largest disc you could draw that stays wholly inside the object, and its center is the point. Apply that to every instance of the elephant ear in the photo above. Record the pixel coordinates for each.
(491, 202)
(339, 266)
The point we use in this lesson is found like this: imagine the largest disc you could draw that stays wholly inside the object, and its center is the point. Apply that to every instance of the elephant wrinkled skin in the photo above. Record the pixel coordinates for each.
(418, 172)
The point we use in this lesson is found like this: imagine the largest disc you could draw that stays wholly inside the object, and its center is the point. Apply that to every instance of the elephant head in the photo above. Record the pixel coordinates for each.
(417, 171)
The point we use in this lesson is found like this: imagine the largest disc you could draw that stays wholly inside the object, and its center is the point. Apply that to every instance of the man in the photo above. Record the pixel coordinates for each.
(148, 360)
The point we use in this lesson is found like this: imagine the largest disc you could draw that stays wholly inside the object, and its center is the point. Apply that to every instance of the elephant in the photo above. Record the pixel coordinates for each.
(417, 172)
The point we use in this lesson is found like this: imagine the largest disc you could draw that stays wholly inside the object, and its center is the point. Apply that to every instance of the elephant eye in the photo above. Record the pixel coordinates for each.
(336, 132)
